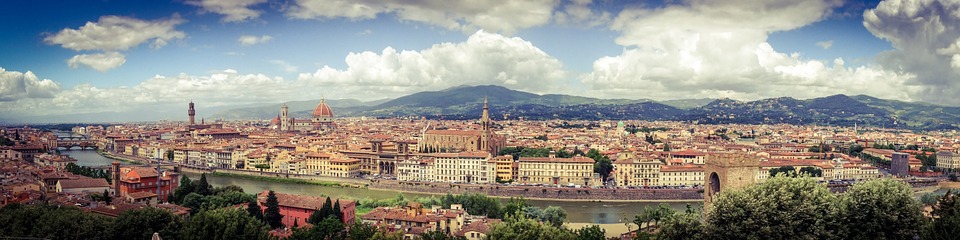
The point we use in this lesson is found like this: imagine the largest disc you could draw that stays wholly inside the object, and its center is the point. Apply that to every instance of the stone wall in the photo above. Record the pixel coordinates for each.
(544, 192)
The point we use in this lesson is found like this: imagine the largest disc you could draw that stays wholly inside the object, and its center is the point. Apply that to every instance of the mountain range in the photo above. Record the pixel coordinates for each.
(465, 102)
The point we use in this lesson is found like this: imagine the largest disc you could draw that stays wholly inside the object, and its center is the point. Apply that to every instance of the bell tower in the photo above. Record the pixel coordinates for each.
(191, 112)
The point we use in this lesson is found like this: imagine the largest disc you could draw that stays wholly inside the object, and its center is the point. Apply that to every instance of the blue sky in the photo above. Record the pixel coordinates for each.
(70, 57)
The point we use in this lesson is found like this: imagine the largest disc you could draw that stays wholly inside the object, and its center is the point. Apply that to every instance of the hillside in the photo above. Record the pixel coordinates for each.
(465, 102)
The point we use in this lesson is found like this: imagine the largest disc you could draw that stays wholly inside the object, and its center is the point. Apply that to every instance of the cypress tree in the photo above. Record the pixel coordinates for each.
(204, 188)
(336, 211)
(254, 209)
(272, 215)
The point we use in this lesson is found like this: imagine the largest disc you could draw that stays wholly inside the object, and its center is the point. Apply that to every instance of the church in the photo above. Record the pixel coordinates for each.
(322, 119)
(485, 139)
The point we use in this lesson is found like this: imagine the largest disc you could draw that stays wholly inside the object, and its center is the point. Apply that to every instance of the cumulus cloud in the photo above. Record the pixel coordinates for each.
(156, 91)
(100, 61)
(925, 36)
(232, 10)
(502, 16)
(112, 34)
(17, 85)
(719, 49)
(484, 58)
(249, 40)
(825, 44)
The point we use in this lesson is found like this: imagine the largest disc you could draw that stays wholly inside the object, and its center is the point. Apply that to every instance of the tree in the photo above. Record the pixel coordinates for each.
(946, 219)
(515, 206)
(272, 215)
(337, 212)
(186, 187)
(789, 171)
(592, 232)
(254, 210)
(780, 208)
(524, 228)
(142, 223)
(811, 171)
(204, 188)
(437, 235)
(52, 222)
(170, 155)
(682, 226)
(882, 208)
(224, 224)
(326, 210)
(106, 196)
(554, 216)
(666, 147)
(361, 231)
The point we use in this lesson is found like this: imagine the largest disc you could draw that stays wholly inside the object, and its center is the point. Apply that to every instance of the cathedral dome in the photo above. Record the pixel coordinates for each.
(322, 110)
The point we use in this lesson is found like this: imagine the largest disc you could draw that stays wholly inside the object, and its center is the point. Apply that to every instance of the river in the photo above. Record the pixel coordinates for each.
(578, 213)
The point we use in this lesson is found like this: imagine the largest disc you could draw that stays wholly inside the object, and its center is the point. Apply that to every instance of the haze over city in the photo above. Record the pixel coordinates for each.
(122, 59)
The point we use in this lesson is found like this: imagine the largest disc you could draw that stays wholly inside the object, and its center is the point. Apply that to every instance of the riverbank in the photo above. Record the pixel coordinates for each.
(118, 158)
(283, 180)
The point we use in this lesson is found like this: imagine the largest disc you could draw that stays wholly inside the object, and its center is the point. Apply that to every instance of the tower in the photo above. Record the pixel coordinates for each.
(485, 117)
(723, 171)
(116, 179)
(191, 112)
(284, 119)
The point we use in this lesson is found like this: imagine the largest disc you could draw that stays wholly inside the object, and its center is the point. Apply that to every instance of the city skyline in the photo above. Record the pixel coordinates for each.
(123, 58)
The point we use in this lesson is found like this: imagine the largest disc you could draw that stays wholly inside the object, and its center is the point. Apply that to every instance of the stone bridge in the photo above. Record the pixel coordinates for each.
(71, 143)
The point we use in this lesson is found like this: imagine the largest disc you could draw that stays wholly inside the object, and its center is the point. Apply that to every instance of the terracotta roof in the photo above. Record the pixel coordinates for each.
(83, 183)
(577, 159)
(455, 132)
(301, 201)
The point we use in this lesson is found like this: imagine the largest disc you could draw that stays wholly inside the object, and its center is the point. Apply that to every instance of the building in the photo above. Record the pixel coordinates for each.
(414, 220)
(630, 170)
(687, 175)
(417, 169)
(464, 167)
(297, 208)
(900, 164)
(83, 185)
(144, 181)
(948, 160)
(322, 119)
(380, 159)
(577, 170)
(485, 139)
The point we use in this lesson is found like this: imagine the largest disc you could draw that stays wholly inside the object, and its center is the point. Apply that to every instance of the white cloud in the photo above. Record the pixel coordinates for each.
(156, 91)
(719, 49)
(485, 58)
(925, 35)
(578, 12)
(232, 10)
(284, 65)
(249, 40)
(502, 16)
(100, 61)
(17, 85)
(825, 44)
(112, 34)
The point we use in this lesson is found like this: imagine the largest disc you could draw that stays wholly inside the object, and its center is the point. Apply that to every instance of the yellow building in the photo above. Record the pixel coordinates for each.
(559, 171)
(330, 165)
(506, 170)
(681, 175)
(630, 170)
(948, 159)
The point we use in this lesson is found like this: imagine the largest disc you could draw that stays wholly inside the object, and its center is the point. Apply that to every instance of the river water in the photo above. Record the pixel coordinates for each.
(605, 213)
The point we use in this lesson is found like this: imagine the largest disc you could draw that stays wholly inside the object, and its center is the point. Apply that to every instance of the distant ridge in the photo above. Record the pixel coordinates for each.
(465, 102)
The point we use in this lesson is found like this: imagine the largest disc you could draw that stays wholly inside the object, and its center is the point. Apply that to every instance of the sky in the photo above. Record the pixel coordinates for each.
(109, 56)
